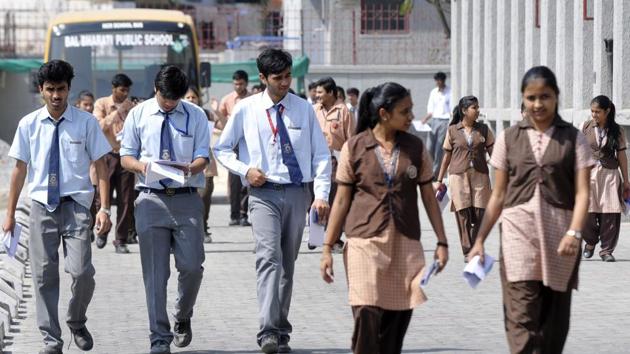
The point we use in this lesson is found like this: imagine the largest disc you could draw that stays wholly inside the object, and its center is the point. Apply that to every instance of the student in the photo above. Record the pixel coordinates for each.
(541, 191)
(341, 95)
(465, 146)
(312, 93)
(55, 145)
(438, 111)
(353, 103)
(85, 101)
(379, 173)
(281, 149)
(169, 214)
(210, 172)
(608, 143)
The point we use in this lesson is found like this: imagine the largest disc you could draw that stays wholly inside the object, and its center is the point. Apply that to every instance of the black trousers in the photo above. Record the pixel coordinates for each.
(238, 197)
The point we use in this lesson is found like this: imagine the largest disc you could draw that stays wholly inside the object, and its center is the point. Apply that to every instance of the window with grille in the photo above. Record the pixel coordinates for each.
(383, 17)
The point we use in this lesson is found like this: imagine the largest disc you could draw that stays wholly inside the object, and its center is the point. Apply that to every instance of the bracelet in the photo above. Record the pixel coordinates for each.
(108, 212)
(443, 244)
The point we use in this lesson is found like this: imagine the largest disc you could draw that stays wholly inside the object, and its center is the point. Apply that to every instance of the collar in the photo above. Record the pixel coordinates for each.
(155, 107)
(267, 103)
(460, 125)
(525, 123)
(371, 142)
(44, 114)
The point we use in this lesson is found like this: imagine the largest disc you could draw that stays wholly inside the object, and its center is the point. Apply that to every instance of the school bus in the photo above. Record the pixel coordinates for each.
(136, 42)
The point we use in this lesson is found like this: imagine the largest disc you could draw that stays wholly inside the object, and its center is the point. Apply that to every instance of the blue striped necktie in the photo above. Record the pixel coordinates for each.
(54, 195)
(288, 154)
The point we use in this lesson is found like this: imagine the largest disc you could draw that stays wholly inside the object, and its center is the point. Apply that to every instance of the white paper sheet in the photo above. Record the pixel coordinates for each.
(11, 239)
(211, 129)
(157, 171)
(172, 163)
(419, 126)
(316, 230)
(475, 272)
(444, 202)
(428, 272)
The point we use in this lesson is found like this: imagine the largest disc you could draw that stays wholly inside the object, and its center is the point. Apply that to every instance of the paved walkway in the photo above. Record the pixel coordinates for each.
(456, 319)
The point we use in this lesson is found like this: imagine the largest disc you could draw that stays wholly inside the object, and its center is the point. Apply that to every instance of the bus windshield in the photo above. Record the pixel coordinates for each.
(98, 51)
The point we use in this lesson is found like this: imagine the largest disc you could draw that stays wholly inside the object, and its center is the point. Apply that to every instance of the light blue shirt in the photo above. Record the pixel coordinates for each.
(189, 130)
(250, 130)
(81, 141)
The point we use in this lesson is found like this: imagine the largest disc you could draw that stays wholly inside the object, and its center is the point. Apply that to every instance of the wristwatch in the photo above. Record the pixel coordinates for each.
(574, 233)
(108, 212)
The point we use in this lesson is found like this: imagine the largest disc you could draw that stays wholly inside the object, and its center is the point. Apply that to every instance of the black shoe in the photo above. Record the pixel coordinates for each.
(207, 238)
(122, 249)
(608, 258)
(51, 350)
(101, 241)
(234, 222)
(588, 253)
(160, 347)
(82, 338)
(244, 222)
(311, 247)
(269, 344)
(183, 333)
(283, 345)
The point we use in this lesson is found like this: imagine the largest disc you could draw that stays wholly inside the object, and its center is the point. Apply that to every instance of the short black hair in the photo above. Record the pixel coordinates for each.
(171, 82)
(328, 84)
(259, 87)
(439, 76)
(240, 75)
(273, 61)
(352, 91)
(312, 85)
(121, 80)
(55, 71)
(84, 94)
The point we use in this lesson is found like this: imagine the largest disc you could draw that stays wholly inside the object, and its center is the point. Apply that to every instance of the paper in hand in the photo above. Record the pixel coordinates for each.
(157, 170)
(475, 272)
(421, 127)
(10, 240)
(428, 272)
(316, 231)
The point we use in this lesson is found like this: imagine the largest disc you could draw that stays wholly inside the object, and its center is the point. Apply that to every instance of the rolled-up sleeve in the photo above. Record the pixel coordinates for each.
(20, 149)
(320, 159)
(130, 144)
(229, 139)
(97, 144)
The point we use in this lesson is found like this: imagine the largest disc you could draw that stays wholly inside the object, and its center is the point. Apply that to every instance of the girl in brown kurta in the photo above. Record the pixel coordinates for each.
(379, 172)
(608, 143)
(465, 146)
(542, 168)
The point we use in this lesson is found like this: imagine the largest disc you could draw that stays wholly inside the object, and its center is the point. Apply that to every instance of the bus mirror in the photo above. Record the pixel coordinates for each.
(33, 86)
(205, 75)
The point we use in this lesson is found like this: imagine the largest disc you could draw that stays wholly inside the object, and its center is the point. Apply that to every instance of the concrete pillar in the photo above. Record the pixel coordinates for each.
(517, 54)
(477, 48)
(582, 58)
(502, 63)
(532, 35)
(564, 52)
(621, 54)
(602, 60)
(489, 53)
(466, 48)
(292, 24)
(547, 18)
(456, 35)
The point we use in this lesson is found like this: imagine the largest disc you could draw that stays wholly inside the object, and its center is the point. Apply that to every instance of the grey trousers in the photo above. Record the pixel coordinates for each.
(163, 224)
(68, 224)
(278, 217)
(438, 134)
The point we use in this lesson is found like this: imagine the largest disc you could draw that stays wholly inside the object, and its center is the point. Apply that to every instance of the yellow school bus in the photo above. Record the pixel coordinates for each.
(136, 42)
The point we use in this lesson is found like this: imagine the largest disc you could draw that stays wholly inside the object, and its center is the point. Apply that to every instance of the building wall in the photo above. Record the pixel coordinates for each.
(561, 34)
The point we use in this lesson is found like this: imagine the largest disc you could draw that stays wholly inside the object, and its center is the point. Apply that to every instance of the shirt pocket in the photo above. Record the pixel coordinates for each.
(295, 134)
(184, 148)
(74, 148)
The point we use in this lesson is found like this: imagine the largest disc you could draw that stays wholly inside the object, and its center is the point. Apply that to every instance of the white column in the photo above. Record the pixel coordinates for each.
(489, 53)
(564, 52)
(582, 58)
(602, 60)
(477, 49)
(466, 48)
(621, 55)
(517, 55)
(532, 35)
(292, 24)
(502, 63)
(547, 17)
(456, 35)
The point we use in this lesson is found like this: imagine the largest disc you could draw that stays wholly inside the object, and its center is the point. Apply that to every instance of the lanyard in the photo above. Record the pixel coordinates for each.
(183, 132)
(389, 175)
(274, 130)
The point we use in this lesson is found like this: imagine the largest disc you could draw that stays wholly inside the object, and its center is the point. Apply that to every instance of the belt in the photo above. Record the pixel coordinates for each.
(170, 191)
(280, 186)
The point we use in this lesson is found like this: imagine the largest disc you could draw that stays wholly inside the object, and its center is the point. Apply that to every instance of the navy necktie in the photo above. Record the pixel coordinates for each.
(288, 155)
(166, 146)
(53, 169)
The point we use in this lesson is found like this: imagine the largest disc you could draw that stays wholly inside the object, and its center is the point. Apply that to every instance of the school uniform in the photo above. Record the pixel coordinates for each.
(168, 214)
(58, 155)
(606, 199)
(439, 105)
(209, 172)
(383, 257)
(285, 141)
(538, 207)
(468, 178)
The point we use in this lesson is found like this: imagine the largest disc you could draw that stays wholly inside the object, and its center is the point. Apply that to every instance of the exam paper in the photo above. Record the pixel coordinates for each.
(316, 230)
(11, 239)
(475, 272)
(444, 202)
(432, 269)
(419, 126)
(157, 170)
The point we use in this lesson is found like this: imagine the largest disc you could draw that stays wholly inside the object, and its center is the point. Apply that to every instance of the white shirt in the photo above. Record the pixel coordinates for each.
(189, 131)
(81, 141)
(250, 130)
(440, 103)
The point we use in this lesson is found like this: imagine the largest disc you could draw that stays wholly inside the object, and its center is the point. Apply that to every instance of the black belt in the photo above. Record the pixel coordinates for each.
(279, 186)
(170, 191)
